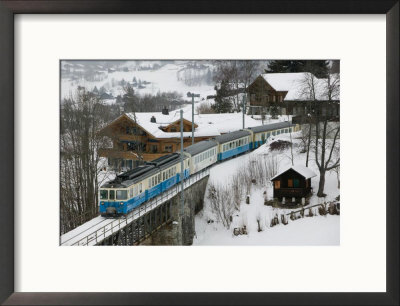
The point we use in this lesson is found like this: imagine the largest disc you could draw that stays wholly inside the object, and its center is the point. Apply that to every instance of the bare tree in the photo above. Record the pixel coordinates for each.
(337, 171)
(81, 118)
(238, 74)
(326, 150)
(237, 190)
(222, 203)
(308, 93)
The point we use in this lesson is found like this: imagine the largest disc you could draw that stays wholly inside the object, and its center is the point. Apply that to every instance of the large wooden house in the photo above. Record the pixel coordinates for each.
(294, 182)
(288, 93)
(137, 137)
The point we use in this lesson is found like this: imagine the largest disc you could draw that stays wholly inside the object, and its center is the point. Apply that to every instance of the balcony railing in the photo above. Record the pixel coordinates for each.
(129, 154)
(291, 192)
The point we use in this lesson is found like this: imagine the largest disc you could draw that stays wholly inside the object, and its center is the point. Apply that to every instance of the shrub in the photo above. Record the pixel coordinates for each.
(279, 145)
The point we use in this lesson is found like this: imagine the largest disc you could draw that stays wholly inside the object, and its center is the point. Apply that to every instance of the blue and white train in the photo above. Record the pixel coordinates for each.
(136, 186)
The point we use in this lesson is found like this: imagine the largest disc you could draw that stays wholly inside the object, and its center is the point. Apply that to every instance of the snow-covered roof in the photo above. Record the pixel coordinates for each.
(200, 146)
(300, 169)
(296, 85)
(153, 128)
(232, 136)
(271, 126)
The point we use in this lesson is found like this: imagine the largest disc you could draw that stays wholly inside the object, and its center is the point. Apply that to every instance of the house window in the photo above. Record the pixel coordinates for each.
(168, 148)
(173, 129)
(277, 184)
(154, 149)
(296, 183)
(290, 183)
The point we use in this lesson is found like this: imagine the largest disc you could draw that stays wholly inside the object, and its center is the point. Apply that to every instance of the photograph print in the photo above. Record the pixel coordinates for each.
(199, 152)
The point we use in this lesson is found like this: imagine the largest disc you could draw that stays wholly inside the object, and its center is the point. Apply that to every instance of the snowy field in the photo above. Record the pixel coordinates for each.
(318, 230)
(164, 79)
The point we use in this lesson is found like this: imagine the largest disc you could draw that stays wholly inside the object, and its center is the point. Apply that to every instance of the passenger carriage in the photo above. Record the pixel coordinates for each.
(233, 144)
(263, 132)
(202, 155)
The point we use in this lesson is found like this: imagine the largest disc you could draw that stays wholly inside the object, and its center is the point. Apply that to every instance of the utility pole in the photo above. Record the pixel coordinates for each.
(192, 119)
(182, 193)
(193, 95)
(244, 107)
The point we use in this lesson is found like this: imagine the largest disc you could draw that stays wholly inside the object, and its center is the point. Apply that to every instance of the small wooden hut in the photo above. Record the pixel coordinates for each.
(294, 182)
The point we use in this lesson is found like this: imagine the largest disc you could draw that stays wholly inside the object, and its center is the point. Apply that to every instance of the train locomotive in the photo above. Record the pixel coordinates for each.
(130, 189)
(134, 187)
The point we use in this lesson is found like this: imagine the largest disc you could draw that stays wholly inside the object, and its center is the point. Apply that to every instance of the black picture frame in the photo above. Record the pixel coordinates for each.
(7, 11)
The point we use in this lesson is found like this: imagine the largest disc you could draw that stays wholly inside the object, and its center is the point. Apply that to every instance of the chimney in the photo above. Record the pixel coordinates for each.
(165, 111)
(153, 119)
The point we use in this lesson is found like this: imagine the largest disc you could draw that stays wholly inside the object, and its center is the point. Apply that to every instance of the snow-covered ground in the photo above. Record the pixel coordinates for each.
(318, 230)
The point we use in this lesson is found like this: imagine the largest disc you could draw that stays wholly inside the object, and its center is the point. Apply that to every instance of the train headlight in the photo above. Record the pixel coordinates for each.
(122, 203)
(101, 203)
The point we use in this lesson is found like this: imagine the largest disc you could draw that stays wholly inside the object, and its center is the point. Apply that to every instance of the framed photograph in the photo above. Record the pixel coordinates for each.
(199, 153)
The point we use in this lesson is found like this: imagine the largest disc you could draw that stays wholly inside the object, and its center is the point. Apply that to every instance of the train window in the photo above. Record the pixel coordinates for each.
(122, 194)
(103, 194)
(149, 182)
(153, 181)
(140, 188)
(112, 194)
(163, 176)
(131, 192)
(159, 177)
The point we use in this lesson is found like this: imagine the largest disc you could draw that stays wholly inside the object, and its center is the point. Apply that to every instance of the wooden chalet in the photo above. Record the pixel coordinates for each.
(285, 91)
(294, 182)
(145, 137)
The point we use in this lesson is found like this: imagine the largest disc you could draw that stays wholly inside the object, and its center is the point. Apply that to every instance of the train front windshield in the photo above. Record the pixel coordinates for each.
(103, 194)
(122, 194)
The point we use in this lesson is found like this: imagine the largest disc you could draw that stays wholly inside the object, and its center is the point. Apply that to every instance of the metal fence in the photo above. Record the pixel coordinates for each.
(96, 235)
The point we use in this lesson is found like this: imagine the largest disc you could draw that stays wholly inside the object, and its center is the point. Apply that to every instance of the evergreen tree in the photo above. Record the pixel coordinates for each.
(222, 104)
(318, 67)
(129, 99)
